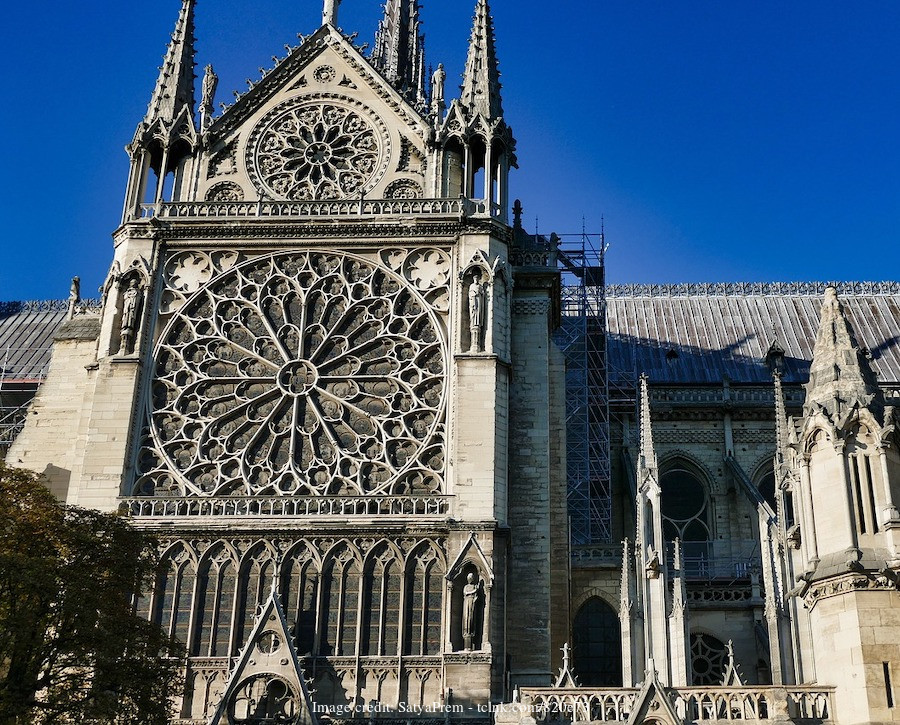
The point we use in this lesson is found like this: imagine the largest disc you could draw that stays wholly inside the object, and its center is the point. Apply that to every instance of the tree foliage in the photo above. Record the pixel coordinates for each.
(71, 648)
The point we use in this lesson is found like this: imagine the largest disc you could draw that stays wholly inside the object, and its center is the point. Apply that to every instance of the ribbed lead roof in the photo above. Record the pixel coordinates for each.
(700, 333)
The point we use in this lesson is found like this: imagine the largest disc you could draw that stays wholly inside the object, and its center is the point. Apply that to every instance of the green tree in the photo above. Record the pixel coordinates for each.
(71, 648)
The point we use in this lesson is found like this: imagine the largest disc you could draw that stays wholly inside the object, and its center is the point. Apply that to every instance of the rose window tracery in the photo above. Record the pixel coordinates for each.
(327, 148)
(309, 373)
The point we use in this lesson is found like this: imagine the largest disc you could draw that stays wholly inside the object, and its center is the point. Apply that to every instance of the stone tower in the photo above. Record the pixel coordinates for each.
(323, 369)
(844, 475)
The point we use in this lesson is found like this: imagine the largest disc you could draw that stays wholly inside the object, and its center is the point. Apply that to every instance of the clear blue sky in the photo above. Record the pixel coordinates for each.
(722, 140)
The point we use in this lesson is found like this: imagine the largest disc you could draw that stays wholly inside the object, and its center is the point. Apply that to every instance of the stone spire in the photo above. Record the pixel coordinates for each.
(647, 456)
(174, 90)
(839, 375)
(481, 81)
(400, 48)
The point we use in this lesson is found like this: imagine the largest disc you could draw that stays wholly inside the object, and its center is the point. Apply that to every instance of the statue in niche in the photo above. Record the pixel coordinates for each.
(131, 303)
(476, 312)
(470, 610)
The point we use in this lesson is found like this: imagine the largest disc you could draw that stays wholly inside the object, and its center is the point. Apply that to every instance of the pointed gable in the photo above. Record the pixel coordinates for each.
(322, 125)
(267, 685)
(481, 81)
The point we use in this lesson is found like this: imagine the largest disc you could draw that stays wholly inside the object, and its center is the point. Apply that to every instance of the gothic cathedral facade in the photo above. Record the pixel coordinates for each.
(323, 374)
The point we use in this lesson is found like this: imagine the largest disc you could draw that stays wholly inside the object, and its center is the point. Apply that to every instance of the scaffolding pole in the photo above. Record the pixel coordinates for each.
(582, 338)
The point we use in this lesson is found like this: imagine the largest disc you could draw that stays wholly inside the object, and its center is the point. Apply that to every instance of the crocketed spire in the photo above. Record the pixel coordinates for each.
(839, 374)
(481, 81)
(400, 49)
(174, 90)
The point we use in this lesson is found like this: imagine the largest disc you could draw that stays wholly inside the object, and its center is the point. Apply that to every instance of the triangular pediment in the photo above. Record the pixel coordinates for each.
(267, 685)
(296, 72)
(284, 139)
(471, 553)
(653, 704)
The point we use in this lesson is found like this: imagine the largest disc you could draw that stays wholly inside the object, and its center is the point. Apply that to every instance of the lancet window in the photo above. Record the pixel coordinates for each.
(598, 645)
(215, 598)
(340, 599)
(862, 483)
(381, 604)
(424, 583)
(299, 591)
(174, 595)
(256, 583)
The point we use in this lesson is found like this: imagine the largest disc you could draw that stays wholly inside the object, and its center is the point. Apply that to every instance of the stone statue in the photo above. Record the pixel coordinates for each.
(131, 302)
(476, 312)
(210, 83)
(74, 296)
(470, 610)
(437, 89)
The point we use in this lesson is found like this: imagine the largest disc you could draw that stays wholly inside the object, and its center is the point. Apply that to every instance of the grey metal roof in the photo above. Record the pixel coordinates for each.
(27, 330)
(695, 334)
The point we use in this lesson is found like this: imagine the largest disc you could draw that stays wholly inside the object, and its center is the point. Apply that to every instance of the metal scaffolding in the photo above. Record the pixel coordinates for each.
(582, 338)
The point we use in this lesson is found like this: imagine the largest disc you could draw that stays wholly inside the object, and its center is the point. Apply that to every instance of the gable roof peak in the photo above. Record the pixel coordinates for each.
(481, 80)
(174, 89)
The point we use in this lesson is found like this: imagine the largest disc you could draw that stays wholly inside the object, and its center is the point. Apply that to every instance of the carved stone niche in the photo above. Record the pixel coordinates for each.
(476, 314)
(129, 311)
(467, 610)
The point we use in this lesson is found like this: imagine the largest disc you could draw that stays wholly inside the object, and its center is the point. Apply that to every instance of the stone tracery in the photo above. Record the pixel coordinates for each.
(320, 148)
(302, 373)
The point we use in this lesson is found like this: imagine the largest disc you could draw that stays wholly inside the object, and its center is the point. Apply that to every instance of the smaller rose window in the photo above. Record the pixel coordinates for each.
(318, 150)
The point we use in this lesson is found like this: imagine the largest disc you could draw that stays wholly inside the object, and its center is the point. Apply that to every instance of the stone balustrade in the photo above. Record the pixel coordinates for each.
(193, 210)
(690, 704)
(237, 506)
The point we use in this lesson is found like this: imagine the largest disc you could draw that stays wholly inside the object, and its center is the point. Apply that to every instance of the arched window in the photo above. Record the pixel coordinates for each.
(256, 584)
(174, 594)
(862, 481)
(299, 592)
(597, 650)
(381, 604)
(686, 512)
(709, 659)
(422, 623)
(765, 484)
(215, 595)
(340, 600)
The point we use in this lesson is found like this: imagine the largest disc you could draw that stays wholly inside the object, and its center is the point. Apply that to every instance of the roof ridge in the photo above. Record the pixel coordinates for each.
(767, 289)
(15, 307)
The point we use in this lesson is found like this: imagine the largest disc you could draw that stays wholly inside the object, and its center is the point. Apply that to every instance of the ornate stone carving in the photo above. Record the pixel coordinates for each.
(309, 373)
(324, 147)
(132, 299)
(324, 74)
(223, 161)
(225, 191)
(428, 270)
(404, 189)
(471, 612)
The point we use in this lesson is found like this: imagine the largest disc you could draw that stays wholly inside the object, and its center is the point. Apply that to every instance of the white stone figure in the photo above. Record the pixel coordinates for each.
(130, 309)
(437, 89)
(470, 608)
(476, 312)
(210, 83)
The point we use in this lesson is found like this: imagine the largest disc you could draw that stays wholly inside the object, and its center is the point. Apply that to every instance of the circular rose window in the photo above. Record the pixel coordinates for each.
(310, 373)
(327, 148)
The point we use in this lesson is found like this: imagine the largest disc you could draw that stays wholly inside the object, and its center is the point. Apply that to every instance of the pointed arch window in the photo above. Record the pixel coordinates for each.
(598, 645)
(255, 585)
(215, 597)
(687, 512)
(424, 584)
(340, 601)
(862, 483)
(381, 605)
(300, 591)
(174, 594)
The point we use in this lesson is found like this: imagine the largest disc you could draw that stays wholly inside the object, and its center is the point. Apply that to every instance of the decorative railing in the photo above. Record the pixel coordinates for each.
(719, 559)
(691, 704)
(16, 308)
(750, 395)
(609, 555)
(236, 506)
(459, 207)
(760, 289)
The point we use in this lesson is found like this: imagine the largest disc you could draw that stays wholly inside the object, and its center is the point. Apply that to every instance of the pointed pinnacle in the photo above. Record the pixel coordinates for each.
(839, 370)
(647, 452)
(174, 89)
(481, 80)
